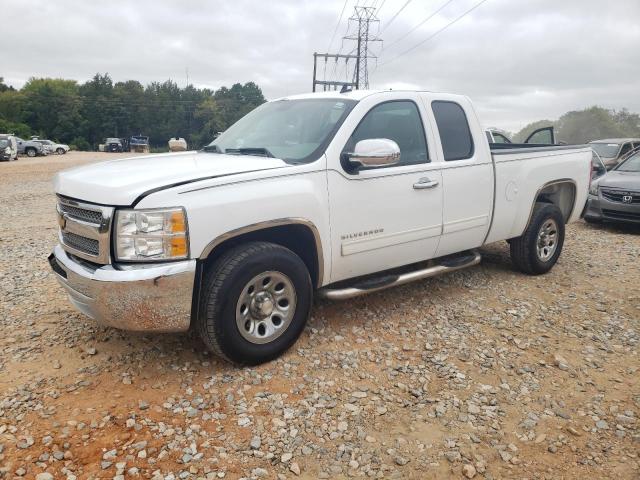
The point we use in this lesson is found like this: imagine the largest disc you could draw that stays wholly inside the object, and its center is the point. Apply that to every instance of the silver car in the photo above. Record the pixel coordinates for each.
(53, 147)
(615, 197)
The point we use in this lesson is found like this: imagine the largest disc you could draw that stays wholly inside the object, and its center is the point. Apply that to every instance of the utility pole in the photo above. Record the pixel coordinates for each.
(365, 18)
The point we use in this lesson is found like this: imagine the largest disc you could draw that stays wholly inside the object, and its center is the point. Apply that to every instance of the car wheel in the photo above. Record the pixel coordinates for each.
(61, 151)
(255, 302)
(539, 247)
(31, 152)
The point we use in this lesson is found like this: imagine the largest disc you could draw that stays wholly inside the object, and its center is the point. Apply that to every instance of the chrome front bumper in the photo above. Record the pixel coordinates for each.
(148, 298)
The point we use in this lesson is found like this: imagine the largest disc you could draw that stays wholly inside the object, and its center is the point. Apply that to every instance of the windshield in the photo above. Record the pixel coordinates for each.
(292, 130)
(113, 140)
(631, 164)
(607, 150)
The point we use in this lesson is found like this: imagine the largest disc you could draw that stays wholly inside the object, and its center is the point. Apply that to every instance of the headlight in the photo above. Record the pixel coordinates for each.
(151, 235)
(593, 189)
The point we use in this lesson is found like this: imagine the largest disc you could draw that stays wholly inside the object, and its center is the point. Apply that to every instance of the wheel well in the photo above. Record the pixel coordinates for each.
(561, 194)
(298, 238)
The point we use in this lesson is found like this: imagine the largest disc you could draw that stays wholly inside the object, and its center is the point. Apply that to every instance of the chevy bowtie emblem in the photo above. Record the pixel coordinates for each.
(627, 198)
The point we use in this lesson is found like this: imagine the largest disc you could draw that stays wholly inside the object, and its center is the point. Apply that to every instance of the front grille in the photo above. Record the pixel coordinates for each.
(83, 214)
(83, 244)
(618, 215)
(617, 196)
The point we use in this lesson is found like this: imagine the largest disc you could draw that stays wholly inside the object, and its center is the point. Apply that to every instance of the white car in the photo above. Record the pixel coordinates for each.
(335, 194)
(53, 147)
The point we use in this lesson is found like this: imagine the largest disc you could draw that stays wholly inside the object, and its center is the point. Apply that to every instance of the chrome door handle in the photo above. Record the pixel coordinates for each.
(425, 183)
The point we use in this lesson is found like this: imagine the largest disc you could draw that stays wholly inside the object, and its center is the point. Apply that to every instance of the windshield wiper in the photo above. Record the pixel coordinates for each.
(259, 151)
(212, 149)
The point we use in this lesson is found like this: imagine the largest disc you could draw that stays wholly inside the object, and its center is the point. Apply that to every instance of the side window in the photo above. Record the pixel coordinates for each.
(398, 121)
(625, 149)
(455, 136)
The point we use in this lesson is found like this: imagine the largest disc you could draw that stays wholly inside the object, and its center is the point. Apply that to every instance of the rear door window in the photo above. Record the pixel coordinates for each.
(453, 127)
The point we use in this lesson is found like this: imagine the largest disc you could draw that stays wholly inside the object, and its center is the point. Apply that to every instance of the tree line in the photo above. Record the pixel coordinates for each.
(83, 115)
(583, 126)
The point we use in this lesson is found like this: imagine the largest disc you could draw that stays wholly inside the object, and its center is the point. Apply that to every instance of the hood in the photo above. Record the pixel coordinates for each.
(122, 181)
(621, 180)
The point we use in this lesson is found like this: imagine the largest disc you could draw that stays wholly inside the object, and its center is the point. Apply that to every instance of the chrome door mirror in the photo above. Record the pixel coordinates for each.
(375, 152)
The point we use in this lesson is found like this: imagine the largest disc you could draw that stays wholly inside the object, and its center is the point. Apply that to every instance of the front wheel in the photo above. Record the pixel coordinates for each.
(538, 249)
(31, 152)
(255, 302)
(61, 151)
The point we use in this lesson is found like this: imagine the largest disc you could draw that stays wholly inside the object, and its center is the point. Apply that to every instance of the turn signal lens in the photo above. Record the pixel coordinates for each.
(151, 235)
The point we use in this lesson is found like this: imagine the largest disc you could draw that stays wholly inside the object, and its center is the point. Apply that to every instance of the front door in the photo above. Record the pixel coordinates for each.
(386, 217)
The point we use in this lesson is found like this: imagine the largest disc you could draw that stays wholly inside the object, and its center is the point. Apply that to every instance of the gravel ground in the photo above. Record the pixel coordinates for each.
(484, 373)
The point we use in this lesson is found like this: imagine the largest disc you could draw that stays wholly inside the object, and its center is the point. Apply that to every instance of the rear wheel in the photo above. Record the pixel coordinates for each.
(538, 249)
(31, 152)
(255, 302)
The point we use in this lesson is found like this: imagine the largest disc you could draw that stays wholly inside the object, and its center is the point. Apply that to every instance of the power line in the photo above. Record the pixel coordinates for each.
(335, 30)
(381, 5)
(418, 25)
(396, 15)
(434, 34)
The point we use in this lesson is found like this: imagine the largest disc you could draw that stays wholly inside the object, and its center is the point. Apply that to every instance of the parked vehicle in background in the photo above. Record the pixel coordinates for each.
(597, 166)
(343, 193)
(541, 136)
(612, 150)
(53, 147)
(11, 144)
(139, 144)
(615, 197)
(31, 148)
(177, 144)
(113, 145)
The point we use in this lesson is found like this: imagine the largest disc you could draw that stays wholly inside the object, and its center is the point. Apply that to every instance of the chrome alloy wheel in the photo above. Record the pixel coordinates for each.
(266, 307)
(547, 240)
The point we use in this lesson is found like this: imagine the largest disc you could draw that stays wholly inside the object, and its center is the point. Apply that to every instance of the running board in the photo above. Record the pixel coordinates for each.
(446, 264)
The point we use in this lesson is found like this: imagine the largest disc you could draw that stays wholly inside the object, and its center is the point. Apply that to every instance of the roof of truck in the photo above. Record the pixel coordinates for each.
(353, 94)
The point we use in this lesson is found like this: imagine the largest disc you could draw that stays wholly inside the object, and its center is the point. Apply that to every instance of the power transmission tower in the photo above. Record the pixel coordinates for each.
(364, 17)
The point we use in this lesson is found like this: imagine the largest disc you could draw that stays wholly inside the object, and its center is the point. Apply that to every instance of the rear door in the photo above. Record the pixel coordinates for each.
(467, 173)
(385, 217)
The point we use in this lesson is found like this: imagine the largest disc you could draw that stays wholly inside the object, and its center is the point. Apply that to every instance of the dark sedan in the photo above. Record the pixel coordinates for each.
(616, 196)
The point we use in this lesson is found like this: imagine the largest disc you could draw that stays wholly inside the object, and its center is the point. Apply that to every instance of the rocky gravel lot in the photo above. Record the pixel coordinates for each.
(484, 373)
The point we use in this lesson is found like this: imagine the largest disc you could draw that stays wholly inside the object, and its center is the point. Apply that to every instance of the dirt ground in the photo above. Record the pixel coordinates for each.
(483, 373)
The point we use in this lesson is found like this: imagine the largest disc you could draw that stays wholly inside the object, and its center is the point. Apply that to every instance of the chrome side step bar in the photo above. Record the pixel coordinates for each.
(450, 264)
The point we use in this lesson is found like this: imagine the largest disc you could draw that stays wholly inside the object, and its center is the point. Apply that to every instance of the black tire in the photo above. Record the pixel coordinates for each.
(225, 281)
(525, 255)
(61, 151)
(31, 152)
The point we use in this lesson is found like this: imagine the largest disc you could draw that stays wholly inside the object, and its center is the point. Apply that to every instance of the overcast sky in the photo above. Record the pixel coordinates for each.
(518, 60)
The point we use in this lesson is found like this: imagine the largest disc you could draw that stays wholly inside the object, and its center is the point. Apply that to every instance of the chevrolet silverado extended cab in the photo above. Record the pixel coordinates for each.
(335, 194)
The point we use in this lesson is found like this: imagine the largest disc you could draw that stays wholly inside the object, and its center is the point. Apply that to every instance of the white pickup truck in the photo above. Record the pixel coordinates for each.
(338, 194)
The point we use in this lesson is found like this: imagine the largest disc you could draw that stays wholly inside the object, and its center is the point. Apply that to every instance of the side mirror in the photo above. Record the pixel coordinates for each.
(375, 152)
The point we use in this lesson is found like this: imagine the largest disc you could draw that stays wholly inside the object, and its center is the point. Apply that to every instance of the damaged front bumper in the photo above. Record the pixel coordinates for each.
(147, 298)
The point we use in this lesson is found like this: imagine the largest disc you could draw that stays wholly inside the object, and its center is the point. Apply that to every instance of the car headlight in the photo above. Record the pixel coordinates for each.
(151, 235)
(593, 189)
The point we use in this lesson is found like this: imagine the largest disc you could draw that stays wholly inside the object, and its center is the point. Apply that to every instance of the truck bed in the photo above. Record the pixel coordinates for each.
(523, 170)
